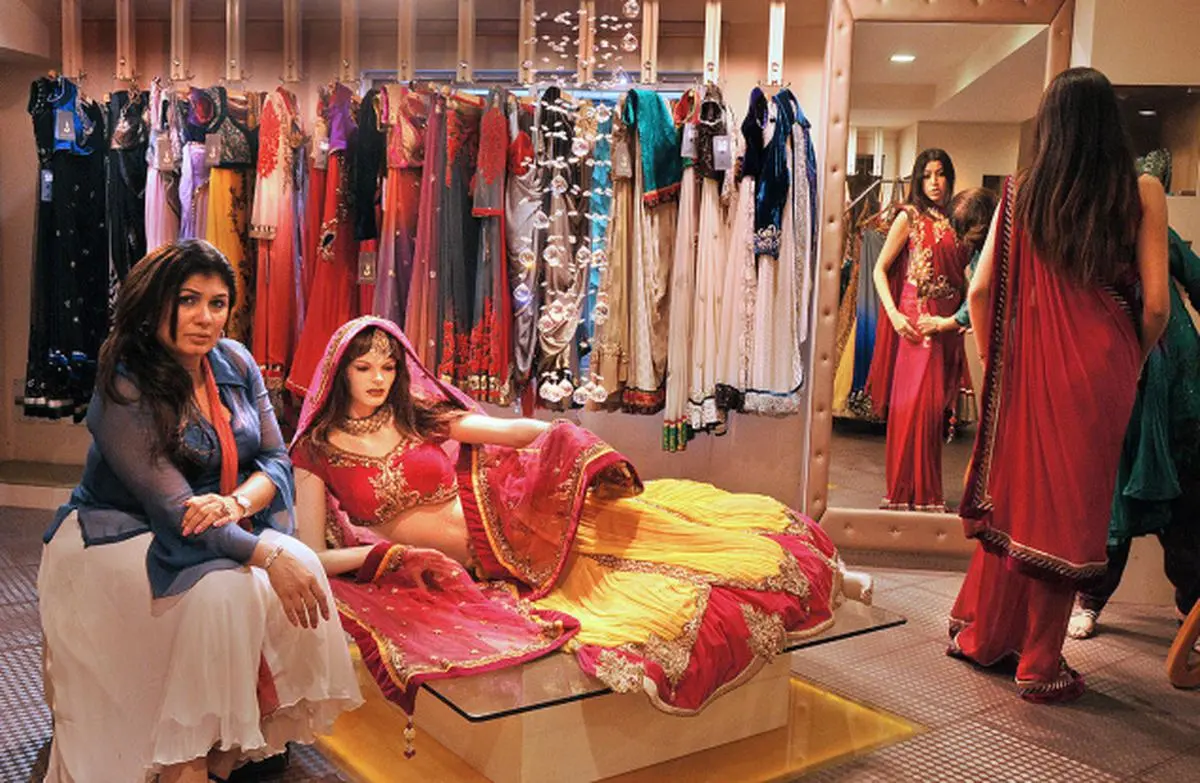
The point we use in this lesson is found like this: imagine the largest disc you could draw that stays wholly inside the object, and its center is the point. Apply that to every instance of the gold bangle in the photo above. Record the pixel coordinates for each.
(271, 557)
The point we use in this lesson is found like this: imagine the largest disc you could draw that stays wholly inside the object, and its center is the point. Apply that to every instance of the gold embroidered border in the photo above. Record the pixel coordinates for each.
(1038, 559)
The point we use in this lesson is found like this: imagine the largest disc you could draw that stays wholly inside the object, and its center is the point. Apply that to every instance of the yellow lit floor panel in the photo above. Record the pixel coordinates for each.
(367, 745)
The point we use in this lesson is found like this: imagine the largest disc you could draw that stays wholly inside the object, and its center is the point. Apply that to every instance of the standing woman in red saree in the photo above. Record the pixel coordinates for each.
(1055, 304)
(921, 278)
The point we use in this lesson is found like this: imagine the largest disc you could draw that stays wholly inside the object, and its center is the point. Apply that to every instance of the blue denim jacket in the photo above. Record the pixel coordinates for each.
(126, 491)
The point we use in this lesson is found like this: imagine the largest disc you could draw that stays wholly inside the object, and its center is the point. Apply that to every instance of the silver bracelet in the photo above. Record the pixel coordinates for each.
(271, 557)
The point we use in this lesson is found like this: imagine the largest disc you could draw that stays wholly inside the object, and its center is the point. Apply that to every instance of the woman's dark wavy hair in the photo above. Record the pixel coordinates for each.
(411, 414)
(132, 348)
(916, 189)
(971, 215)
(1079, 201)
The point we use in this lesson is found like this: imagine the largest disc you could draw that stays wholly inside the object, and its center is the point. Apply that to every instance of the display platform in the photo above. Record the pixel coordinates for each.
(547, 721)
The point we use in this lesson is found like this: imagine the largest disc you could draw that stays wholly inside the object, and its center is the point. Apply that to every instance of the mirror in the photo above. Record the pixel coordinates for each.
(904, 409)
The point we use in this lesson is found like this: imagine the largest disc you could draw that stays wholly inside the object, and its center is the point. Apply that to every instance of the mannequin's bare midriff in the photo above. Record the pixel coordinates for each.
(441, 526)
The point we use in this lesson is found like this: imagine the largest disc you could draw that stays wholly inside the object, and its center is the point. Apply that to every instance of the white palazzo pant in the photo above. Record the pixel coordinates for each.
(136, 683)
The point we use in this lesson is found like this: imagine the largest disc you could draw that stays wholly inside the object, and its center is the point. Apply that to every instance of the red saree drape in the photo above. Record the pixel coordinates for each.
(915, 385)
(1060, 377)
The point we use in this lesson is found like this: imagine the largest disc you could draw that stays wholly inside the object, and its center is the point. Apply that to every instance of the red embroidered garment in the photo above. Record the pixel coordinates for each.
(375, 489)
(1040, 483)
(916, 385)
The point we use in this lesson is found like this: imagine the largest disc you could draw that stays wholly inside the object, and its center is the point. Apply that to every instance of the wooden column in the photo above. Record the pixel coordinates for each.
(293, 21)
(406, 40)
(126, 42)
(712, 41)
(1058, 50)
(235, 40)
(181, 40)
(72, 38)
(527, 42)
(586, 61)
(466, 41)
(649, 41)
(348, 70)
(775, 42)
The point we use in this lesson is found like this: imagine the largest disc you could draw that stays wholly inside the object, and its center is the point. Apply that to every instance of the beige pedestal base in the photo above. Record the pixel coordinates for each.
(604, 735)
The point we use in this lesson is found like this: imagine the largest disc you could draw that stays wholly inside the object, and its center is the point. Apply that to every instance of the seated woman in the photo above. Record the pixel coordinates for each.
(177, 644)
(679, 588)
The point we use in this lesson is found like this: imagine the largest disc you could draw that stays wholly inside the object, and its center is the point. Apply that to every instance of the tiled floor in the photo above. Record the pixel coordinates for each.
(1131, 726)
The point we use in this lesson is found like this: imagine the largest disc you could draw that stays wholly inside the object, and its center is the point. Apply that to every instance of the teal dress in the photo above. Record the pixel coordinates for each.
(1162, 444)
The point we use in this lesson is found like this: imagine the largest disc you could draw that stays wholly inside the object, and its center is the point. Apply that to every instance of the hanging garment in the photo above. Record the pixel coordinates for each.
(407, 112)
(129, 137)
(333, 297)
(273, 229)
(740, 280)
(711, 258)
(599, 205)
(421, 315)
(229, 189)
(611, 313)
(657, 170)
(491, 337)
(783, 244)
(69, 297)
(522, 202)
(458, 235)
(164, 155)
(676, 423)
(563, 270)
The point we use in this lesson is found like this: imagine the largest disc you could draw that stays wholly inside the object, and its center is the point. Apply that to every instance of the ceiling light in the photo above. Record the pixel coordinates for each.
(903, 58)
(1148, 112)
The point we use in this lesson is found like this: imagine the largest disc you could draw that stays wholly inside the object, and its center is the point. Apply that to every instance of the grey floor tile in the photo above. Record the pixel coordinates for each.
(20, 626)
(20, 678)
(24, 744)
(973, 751)
(1183, 768)
(18, 585)
(1138, 684)
(1098, 730)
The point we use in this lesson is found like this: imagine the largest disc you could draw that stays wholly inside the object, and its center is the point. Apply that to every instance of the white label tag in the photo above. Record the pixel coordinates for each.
(321, 155)
(212, 149)
(64, 125)
(164, 158)
(366, 267)
(688, 148)
(622, 160)
(47, 186)
(722, 153)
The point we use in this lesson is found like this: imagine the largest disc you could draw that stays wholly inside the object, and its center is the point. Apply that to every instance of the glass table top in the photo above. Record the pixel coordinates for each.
(557, 679)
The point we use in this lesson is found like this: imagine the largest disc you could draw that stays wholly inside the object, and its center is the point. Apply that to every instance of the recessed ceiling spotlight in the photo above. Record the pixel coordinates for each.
(903, 58)
(1148, 112)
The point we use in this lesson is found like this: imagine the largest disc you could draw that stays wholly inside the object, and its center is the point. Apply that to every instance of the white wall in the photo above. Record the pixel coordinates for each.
(1142, 42)
(976, 149)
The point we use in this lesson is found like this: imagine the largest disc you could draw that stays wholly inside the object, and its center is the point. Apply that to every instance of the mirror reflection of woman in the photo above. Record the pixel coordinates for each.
(921, 279)
(669, 565)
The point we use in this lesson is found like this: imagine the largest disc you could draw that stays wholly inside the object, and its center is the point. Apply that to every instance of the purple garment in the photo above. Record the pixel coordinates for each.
(340, 116)
(193, 192)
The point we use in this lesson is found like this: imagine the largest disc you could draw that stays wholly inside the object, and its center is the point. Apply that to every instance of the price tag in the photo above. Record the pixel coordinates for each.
(163, 157)
(688, 148)
(621, 160)
(722, 153)
(366, 267)
(47, 186)
(321, 155)
(64, 125)
(212, 149)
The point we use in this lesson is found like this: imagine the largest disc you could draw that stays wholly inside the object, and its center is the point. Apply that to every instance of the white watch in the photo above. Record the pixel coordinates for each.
(243, 503)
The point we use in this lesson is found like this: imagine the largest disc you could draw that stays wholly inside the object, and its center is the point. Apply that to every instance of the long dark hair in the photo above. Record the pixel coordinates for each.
(916, 186)
(412, 415)
(971, 215)
(1079, 200)
(132, 348)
